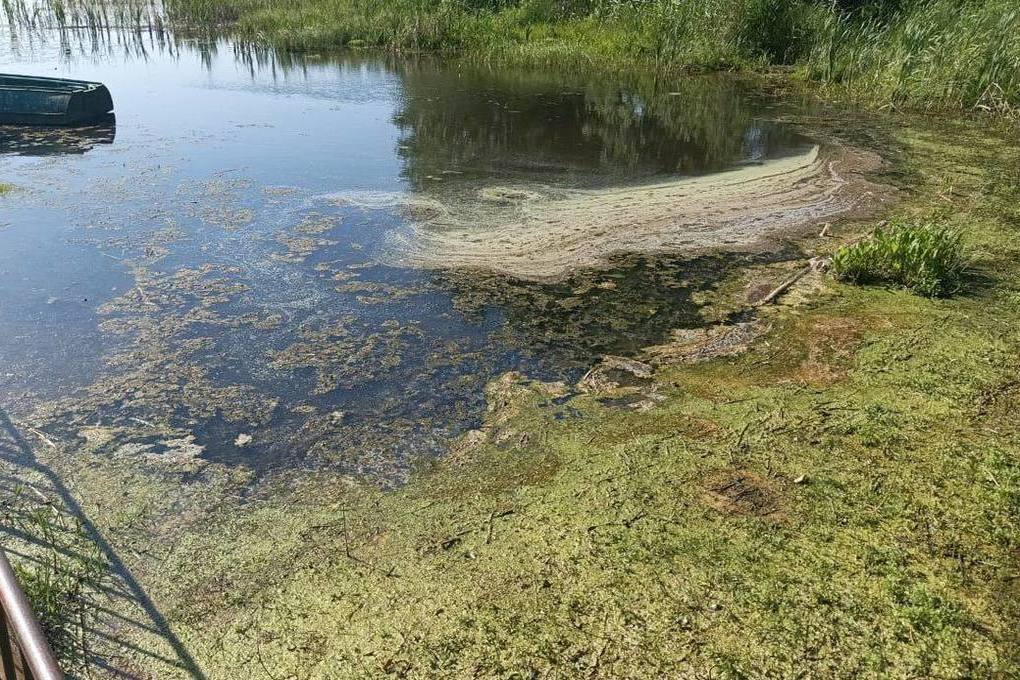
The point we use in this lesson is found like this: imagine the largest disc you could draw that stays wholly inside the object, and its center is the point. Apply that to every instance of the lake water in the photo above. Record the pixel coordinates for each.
(203, 276)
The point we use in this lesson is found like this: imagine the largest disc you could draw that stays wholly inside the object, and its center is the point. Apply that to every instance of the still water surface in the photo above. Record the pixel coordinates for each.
(202, 276)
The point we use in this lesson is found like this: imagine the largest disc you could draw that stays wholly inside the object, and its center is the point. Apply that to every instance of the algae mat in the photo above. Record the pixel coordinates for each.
(543, 234)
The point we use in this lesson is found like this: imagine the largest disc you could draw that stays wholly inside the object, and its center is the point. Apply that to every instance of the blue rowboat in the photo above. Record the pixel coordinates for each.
(26, 100)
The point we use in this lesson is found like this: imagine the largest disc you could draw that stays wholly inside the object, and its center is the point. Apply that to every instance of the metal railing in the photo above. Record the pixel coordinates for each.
(24, 652)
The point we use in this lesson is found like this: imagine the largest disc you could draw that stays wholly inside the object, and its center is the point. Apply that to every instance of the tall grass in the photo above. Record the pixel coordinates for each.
(916, 53)
(705, 32)
(932, 53)
(95, 15)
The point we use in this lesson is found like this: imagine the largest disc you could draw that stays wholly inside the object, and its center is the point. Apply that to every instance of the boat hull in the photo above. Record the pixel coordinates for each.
(25, 100)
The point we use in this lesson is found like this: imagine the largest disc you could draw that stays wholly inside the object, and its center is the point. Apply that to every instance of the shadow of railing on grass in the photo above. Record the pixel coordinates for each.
(42, 490)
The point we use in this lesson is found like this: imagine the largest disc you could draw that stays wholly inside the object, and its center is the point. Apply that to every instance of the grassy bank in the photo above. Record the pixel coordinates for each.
(922, 53)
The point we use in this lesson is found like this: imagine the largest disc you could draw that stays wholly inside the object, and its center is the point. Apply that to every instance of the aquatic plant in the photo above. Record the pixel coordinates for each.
(837, 500)
(925, 257)
(95, 16)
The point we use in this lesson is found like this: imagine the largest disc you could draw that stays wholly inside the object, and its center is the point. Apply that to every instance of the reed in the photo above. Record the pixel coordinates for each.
(93, 15)
(929, 53)
(919, 53)
(909, 53)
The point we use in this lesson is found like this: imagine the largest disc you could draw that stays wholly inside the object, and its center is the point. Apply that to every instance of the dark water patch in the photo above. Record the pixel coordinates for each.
(542, 126)
(22, 140)
(619, 310)
(429, 384)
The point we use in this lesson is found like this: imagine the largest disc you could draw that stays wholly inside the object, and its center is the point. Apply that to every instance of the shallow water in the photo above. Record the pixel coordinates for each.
(202, 275)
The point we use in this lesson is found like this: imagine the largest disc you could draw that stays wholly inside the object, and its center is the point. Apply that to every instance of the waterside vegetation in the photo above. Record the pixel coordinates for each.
(927, 258)
(59, 567)
(917, 53)
(920, 54)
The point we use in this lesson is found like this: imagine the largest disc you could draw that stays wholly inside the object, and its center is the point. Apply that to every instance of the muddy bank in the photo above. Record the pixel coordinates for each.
(543, 234)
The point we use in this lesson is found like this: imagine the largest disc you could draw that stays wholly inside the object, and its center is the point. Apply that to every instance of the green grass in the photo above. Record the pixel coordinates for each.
(61, 575)
(929, 54)
(6, 188)
(926, 257)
